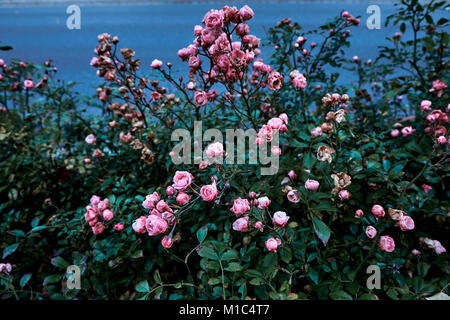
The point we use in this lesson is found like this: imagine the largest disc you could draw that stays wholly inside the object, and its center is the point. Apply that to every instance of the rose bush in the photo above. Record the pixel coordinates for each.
(361, 179)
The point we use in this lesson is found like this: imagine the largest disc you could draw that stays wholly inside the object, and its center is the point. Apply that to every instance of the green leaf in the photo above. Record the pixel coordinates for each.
(233, 267)
(142, 286)
(60, 262)
(201, 233)
(10, 249)
(313, 275)
(24, 280)
(157, 277)
(230, 255)
(340, 295)
(38, 228)
(208, 253)
(322, 230)
(17, 233)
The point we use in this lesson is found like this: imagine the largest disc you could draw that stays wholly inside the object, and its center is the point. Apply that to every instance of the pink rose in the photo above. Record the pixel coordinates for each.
(406, 223)
(209, 192)
(95, 200)
(263, 202)
(98, 228)
(182, 180)
(215, 150)
(213, 19)
(299, 82)
(246, 13)
(28, 84)
(426, 188)
(438, 248)
(386, 244)
(155, 225)
(275, 80)
(5, 268)
(272, 244)
(371, 232)
(275, 123)
(344, 194)
(162, 206)
(259, 225)
(240, 206)
(312, 184)
(406, 131)
(441, 140)
(276, 151)
(241, 224)
(102, 205)
(395, 133)
(156, 64)
(280, 218)
(359, 213)
(118, 226)
(378, 211)
(87, 160)
(182, 198)
(252, 195)
(425, 105)
(284, 117)
(415, 252)
(108, 214)
(200, 98)
(90, 139)
(292, 175)
(316, 132)
(170, 191)
(139, 224)
(166, 242)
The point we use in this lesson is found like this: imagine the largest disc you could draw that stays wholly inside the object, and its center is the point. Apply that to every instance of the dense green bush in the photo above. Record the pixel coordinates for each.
(362, 165)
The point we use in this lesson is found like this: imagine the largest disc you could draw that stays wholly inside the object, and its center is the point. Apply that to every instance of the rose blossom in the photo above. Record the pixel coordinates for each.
(275, 123)
(275, 80)
(299, 82)
(293, 196)
(213, 19)
(386, 244)
(280, 218)
(359, 213)
(312, 184)
(284, 117)
(182, 198)
(166, 242)
(118, 227)
(98, 228)
(406, 223)
(259, 225)
(209, 192)
(316, 132)
(344, 194)
(214, 149)
(263, 202)
(5, 268)
(425, 105)
(378, 211)
(90, 139)
(108, 214)
(241, 224)
(156, 64)
(155, 225)
(28, 84)
(371, 232)
(200, 98)
(426, 188)
(325, 153)
(170, 191)
(240, 206)
(139, 224)
(292, 175)
(415, 252)
(438, 248)
(182, 180)
(272, 244)
(441, 140)
(95, 200)
(246, 13)
(395, 133)
(406, 131)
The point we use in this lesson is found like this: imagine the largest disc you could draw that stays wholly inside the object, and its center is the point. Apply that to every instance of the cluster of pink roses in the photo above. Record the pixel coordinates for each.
(100, 208)
(435, 121)
(97, 153)
(438, 87)
(406, 131)
(273, 126)
(229, 59)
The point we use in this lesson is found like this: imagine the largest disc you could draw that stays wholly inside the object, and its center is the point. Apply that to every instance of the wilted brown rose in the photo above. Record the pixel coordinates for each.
(339, 116)
(136, 144)
(293, 196)
(396, 214)
(148, 155)
(341, 181)
(325, 153)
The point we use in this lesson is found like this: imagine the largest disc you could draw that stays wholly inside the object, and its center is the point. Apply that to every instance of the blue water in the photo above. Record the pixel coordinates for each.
(156, 31)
